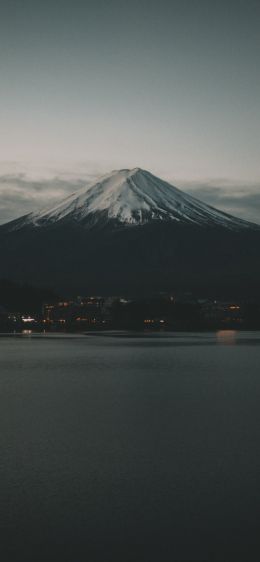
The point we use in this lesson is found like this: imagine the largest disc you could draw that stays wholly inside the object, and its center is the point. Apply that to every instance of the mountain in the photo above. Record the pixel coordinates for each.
(132, 233)
(131, 197)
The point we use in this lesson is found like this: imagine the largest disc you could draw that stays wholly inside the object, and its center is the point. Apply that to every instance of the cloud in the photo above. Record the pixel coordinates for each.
(25, 188)
(232, 197)
(20, 194)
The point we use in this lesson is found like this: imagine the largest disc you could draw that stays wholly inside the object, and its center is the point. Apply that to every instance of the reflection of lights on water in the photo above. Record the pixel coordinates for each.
(227, 337)
(27, 332)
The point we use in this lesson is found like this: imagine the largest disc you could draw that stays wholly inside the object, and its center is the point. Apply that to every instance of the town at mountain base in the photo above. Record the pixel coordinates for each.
(132, 233)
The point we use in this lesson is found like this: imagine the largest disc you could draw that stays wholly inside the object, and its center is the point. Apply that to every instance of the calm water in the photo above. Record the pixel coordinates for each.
(130, 449)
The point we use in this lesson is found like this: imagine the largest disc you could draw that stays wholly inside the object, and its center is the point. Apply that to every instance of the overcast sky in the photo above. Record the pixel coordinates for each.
(90, 86)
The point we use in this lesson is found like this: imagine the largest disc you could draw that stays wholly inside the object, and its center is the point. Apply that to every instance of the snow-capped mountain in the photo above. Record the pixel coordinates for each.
(131, 197)
(132, 233)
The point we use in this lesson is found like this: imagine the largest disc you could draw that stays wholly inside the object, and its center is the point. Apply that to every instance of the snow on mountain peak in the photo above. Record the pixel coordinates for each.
(133, 197)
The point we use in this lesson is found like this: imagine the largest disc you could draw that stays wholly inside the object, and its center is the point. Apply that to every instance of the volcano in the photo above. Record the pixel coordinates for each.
(130, 198)
(129, 233)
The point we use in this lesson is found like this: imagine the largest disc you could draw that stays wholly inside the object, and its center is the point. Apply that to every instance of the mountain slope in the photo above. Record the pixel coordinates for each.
(131, 197)
(132, 233)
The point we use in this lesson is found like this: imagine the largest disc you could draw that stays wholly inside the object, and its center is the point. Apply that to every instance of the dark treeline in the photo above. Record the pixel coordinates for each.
(153, 313)
(24, 298)
(168, 314)
(185, 312)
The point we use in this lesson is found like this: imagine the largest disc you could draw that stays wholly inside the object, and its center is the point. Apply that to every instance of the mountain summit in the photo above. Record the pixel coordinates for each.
(132, 233)
(131, 197)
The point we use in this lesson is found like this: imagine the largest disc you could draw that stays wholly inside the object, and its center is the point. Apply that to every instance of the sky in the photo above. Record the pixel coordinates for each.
(88, 86)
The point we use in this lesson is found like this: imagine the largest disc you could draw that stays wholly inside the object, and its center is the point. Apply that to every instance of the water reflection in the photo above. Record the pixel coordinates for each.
(227, 337)
(27, 332)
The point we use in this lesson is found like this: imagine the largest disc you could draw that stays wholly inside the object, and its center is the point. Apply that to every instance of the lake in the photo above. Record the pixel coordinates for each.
(130, 447)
